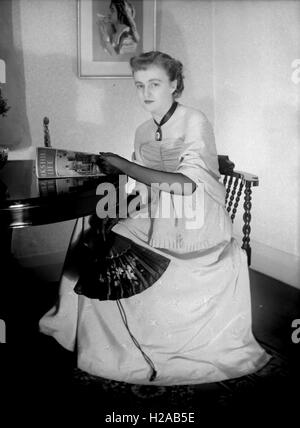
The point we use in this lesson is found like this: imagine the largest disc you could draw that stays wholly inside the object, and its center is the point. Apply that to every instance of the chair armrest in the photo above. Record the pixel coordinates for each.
(248, 177)
(226, 167)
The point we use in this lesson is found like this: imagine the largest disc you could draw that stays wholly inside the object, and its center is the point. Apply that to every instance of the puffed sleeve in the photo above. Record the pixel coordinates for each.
(198, 159)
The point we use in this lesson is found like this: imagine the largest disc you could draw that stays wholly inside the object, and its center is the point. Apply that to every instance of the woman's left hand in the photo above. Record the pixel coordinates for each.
(110, 163)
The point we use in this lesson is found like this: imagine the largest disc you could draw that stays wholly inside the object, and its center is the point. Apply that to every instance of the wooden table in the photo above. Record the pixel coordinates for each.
(27, 201)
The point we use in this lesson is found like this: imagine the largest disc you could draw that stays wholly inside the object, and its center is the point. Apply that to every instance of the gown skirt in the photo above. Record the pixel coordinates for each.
(192, 325)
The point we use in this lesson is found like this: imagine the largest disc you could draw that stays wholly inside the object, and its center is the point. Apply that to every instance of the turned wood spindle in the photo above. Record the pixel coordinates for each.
(232, 195)
(228, 189)
(237, 200)
(225, 180)
(247, 220)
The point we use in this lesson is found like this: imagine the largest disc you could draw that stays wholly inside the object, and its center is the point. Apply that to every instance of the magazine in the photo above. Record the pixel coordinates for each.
(57, 163)
(69, 186)
(54, 186)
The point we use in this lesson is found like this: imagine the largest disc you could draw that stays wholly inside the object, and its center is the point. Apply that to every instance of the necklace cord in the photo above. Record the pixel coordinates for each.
(166, 117)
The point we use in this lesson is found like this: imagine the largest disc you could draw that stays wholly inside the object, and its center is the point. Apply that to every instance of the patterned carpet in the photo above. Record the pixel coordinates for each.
(48, 381)
(267, 391)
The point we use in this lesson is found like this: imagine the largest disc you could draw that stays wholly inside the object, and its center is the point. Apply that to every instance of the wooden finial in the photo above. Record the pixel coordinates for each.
(47, 141)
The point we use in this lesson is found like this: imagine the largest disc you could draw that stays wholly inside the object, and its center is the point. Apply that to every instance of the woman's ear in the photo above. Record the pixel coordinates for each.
(173, 86)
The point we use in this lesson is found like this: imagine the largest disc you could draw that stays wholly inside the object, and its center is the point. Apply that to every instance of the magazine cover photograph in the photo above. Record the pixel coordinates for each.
(149, 211)
(58, 163)
(75, 164)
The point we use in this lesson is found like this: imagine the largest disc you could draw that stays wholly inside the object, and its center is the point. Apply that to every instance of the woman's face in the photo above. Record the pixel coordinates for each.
(155, 90)
(113, 15)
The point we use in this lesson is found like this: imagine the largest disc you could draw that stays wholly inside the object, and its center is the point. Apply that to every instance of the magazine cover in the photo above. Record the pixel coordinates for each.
(51, 162)
(116, 312)
(63, 186)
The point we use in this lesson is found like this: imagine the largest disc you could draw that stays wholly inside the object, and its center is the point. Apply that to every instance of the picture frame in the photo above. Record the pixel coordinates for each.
(106, 39)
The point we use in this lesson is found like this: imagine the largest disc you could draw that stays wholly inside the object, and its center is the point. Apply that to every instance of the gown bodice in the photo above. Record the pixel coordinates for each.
(162, 155)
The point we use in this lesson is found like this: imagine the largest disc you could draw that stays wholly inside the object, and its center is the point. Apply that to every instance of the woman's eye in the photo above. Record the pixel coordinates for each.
(139, 86)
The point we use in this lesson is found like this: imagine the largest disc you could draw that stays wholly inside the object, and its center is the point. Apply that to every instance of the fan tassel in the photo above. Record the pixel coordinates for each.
(145, 356)
(153, 375)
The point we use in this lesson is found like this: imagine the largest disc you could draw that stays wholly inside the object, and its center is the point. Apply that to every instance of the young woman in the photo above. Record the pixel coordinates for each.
(192, 323)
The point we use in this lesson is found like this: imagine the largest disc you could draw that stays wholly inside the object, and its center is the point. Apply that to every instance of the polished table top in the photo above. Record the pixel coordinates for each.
(26, 200)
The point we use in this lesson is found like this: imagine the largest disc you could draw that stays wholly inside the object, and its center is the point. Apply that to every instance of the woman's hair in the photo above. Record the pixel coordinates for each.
(172, 66)
(122, 7)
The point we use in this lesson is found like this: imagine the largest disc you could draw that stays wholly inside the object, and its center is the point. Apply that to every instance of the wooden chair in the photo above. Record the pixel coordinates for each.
(234, 182)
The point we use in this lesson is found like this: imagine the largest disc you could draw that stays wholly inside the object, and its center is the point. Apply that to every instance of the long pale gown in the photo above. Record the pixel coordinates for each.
(194, 323)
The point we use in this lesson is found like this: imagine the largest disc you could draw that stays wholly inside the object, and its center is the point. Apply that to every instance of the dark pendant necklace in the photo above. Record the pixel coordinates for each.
(158, 133)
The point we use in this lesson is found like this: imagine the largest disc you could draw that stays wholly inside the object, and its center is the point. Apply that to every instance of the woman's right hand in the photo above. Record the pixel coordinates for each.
(105, 166)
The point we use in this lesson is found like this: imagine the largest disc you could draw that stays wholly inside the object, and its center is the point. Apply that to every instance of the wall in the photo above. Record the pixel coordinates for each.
(14, 128)
(93, 114)
(237, 56)
(257, 120)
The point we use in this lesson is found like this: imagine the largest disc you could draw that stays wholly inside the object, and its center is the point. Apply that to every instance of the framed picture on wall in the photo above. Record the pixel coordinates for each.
(110, 32)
